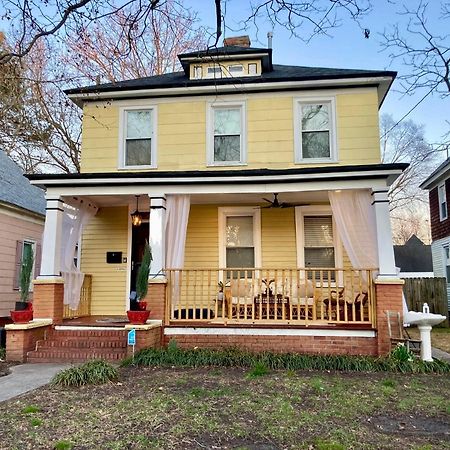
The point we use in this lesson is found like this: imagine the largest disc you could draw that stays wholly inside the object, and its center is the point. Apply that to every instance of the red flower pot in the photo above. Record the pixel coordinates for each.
(138, 317)
(142, 306)
(24, 316)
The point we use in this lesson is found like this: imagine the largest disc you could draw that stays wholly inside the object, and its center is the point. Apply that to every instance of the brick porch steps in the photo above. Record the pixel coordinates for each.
(80, 345)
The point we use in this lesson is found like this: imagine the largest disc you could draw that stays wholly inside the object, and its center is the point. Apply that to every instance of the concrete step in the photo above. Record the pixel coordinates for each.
(75, 355)
(81, 344)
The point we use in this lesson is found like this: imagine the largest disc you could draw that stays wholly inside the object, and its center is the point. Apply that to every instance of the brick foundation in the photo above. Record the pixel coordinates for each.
(319, 345)
(388, 298)
(156, 300)
(48, 298)
(20, 342)
(146, 338)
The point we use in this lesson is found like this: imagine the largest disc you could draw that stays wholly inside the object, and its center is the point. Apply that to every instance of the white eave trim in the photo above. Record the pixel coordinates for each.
(307, 177)
(224, 88)
(434, 180)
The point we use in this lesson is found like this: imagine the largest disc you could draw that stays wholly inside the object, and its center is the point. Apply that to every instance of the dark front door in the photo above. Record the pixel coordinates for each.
(138, 237)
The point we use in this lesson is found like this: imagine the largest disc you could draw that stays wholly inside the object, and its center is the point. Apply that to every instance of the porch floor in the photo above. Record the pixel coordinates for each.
(97, 321)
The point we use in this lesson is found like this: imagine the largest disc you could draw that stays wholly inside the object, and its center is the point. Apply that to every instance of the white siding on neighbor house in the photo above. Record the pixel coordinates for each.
(438, 255)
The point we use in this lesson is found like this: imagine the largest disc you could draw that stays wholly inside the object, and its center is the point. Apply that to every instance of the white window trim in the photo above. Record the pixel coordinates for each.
(210, 133)
(315, 210)
(298, 101)
(122, 135)
(33, 247)
(441, 216)
(214, 75)
(225, 212)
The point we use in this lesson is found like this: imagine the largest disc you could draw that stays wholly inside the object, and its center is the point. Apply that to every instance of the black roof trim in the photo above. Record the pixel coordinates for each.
(226, 50)
(219, 173)
(279, 74)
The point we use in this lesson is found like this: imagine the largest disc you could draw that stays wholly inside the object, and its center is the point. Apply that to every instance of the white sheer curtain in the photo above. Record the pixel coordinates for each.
(355, 222)
(73, 222)
(177, 216)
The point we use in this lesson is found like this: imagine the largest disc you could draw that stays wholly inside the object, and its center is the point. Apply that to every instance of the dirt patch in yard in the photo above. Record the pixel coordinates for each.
(4, 368)
(218, 408)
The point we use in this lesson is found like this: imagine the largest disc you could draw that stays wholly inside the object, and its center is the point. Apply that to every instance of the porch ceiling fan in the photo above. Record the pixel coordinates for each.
(275, 203)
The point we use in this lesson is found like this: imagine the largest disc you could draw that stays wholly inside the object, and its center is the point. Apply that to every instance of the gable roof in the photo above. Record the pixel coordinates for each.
(413, 256)
(16, 190)
(280, 73)
(442, 172)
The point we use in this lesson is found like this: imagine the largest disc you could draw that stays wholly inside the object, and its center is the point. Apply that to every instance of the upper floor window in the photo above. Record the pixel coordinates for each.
(138, 149)
(315, 134)
(198, 72)
(442, 202)
(226, 130)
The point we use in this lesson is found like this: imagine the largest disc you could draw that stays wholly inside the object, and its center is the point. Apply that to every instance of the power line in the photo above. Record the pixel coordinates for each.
(408, 113)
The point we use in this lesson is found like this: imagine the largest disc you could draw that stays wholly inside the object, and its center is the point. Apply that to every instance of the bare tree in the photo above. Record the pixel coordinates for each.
(33, 20)
(423, 50)
(409, 220)
(406, 143)
(42, 126)
(106, 51)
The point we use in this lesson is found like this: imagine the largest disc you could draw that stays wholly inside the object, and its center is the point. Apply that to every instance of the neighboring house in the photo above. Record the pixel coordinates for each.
(263, 196)
(438, 185)
(22, 215)
(414, 259)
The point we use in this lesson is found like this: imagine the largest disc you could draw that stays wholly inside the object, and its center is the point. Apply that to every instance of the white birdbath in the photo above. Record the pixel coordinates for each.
(424, 321)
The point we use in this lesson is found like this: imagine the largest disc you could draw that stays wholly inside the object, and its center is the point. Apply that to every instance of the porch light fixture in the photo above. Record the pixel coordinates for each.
(136, 218)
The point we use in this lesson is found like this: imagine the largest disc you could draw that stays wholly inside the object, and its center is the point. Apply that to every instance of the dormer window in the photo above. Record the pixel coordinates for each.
(198, 72)
(236, 70)
(253, 69)
(214, 72)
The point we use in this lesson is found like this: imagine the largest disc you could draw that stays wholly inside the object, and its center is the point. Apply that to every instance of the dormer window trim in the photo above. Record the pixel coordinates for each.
(123, 117)
(212, 107)
(299, 156)
(214, 71)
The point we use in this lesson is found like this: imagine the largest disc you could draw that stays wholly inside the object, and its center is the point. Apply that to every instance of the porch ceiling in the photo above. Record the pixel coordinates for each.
(312, 197)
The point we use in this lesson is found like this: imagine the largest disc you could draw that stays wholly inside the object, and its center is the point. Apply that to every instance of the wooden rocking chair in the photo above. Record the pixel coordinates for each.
(398, 333)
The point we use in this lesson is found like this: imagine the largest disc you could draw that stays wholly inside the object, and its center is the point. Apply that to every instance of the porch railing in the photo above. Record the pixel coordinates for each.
(84, 307)
(291, 296)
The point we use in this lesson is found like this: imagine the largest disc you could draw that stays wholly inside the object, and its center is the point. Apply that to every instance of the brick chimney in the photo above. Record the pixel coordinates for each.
(239, 41)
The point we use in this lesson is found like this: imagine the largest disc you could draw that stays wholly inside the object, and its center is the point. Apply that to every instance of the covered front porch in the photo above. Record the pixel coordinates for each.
(224, 258)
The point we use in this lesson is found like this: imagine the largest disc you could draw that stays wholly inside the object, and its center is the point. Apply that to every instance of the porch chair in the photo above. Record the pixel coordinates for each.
(350, 298)
(239, 298)
(398, 334)
(302, 299)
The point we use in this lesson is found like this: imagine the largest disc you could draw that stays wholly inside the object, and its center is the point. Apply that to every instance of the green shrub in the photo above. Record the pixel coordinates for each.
(92, 372)
(234, 357)
(401, 353)
(63, 445)
(2, 352)
(35, 422)
(30, 409)
(258, 370)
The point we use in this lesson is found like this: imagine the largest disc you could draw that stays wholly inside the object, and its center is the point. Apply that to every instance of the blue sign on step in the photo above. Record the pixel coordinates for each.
(132, 337)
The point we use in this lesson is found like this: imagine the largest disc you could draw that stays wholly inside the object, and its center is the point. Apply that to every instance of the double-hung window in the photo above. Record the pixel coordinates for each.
(226, 130)
(319, 242)
(138, 144)
(315, 136)
(240, 246)
(442, 197)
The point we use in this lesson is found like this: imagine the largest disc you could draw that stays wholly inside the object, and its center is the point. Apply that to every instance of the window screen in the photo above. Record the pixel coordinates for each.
(227, 134)
(315, 126)
(319, 242)
(138, 138)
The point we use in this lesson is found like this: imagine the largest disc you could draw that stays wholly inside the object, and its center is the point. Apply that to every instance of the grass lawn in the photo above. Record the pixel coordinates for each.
(440, 337)
(226, 409)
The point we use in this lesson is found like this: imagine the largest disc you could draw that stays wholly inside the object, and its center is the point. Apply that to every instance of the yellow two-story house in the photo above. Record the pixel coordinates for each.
(261, 191)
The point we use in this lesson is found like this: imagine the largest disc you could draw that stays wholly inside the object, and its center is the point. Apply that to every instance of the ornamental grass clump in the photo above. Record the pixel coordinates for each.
(173, 356)
(92, 372)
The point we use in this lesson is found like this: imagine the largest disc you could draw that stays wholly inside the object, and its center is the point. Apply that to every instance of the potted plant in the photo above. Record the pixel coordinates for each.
(23, 312)
(138, 313)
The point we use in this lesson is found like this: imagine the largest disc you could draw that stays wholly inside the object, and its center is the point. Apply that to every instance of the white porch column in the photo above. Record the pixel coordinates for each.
(384, 235)
(51, 242)
(157, 236)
